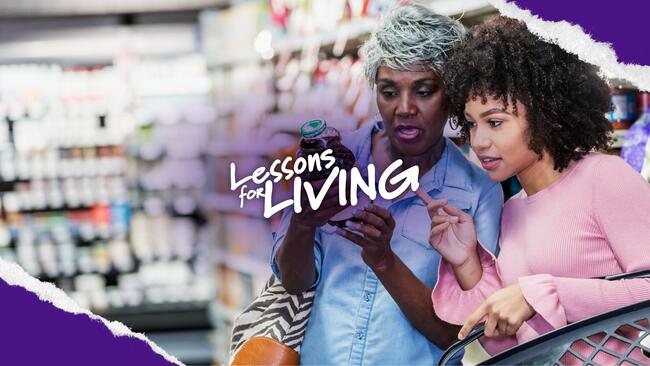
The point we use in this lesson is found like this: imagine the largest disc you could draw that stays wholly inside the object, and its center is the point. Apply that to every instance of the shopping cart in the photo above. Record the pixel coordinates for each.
(553, 347)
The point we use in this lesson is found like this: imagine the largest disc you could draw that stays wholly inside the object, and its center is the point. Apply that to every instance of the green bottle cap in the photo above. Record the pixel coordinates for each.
(313, 128)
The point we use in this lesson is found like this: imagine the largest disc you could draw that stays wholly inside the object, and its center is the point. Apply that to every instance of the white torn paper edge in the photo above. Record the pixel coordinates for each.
(573, 38)
(14, 275)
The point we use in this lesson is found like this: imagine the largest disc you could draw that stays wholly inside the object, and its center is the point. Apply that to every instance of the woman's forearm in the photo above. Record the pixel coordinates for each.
(295, 258)
(469, 273)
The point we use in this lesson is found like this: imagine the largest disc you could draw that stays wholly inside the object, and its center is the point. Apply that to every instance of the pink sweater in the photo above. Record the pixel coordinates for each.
(593, 221)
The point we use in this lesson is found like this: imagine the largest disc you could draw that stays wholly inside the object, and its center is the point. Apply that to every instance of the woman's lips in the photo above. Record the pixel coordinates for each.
(490, 163)
(407, 133)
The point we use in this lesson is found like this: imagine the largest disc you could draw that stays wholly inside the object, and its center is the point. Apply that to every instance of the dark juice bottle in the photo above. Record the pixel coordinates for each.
(316, 138)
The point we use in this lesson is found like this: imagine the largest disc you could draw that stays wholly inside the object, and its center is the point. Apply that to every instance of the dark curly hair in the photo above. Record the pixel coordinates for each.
(565, 98)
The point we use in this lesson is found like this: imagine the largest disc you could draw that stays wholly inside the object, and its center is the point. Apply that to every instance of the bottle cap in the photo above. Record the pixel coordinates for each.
(313, 128)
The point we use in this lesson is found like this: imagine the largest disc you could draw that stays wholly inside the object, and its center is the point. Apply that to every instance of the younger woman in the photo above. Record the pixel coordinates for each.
(535, 111)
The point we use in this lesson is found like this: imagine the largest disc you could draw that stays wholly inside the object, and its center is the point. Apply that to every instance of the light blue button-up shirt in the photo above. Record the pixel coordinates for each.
(354, 320)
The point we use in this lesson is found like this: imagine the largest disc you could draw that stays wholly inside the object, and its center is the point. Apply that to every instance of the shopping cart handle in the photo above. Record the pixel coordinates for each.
(478, 332)
(460, 345)
(637, 274)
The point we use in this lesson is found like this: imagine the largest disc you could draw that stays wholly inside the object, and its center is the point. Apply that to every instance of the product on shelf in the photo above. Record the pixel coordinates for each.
(624, 97)
(636, 138)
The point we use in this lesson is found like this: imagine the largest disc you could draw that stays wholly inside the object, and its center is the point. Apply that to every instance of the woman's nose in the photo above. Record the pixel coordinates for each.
(479, 139)
(406, 105)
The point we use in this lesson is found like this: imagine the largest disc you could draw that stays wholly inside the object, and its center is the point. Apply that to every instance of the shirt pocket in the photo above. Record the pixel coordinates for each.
(417, 224)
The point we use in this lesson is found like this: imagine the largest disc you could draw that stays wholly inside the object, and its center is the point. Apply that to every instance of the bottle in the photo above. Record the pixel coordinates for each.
(636, 138)
(316, 138)
(623, 99)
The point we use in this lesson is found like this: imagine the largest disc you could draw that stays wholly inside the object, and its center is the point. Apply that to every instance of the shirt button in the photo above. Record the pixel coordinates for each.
(366, 296)
(359, 335)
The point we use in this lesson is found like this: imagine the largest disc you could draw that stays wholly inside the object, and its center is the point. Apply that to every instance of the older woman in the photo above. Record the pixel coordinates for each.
(373, 282)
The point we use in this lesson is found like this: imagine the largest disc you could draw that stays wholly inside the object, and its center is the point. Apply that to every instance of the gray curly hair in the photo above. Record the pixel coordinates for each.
(410, 36)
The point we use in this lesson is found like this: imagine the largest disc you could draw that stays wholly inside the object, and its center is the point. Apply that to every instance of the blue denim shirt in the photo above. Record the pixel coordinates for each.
(354, 320)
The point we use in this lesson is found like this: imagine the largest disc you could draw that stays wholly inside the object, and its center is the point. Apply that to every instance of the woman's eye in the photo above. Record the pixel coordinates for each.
(495, 122)
(424, 93)
(470, 124)
(388, 93)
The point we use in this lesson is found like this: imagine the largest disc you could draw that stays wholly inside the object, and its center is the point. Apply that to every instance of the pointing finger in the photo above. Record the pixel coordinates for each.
(474, 318)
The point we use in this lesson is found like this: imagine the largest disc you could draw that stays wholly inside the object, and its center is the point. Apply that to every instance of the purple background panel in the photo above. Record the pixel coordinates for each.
(35, 332)
(622, 23)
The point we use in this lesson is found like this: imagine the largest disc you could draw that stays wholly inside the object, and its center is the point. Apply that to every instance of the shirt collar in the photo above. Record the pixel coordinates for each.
(446, 172)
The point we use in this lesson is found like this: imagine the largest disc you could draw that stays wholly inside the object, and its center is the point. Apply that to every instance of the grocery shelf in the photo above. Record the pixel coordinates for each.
(235, 58)
(192, 347)
(164, 316)
(223, 312)
(242, 263)
(9, 185)
(350, 30)
(29, 178)
(64, 208)
(239, 148)
(290, 44)
(37, 8)
(229, 203)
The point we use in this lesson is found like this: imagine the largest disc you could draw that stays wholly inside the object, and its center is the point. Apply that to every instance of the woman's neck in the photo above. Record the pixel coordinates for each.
(539, 175)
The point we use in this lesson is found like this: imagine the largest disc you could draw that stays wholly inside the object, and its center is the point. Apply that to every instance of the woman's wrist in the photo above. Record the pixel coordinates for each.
(296, 226)
(385, 263)
(469, 263)
(468, 273)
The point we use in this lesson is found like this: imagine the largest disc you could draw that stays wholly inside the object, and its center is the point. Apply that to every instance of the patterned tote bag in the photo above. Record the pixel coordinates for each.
(274, 315)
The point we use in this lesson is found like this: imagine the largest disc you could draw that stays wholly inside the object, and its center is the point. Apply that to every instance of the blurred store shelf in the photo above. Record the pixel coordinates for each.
(165, 316)
(43, 8)
(343, 33)
(192, 347)
(240, 148)
(243, 263)
(229, 203)
(98, 45)
(618, 136)
(347, 32)
(223, 312)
